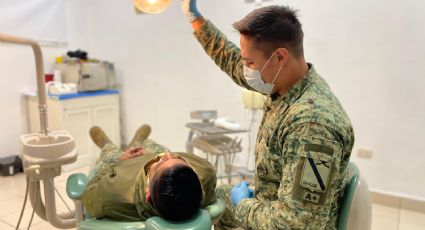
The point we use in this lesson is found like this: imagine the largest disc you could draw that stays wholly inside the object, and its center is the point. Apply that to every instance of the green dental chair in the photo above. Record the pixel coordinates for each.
(356, 211)
(203, 220)
(354, 214)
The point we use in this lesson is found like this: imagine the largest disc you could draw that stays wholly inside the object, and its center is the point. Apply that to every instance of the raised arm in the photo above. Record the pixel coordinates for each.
(223, 52)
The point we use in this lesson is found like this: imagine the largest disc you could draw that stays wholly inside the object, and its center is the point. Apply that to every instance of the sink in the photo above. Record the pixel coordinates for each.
(53, 146)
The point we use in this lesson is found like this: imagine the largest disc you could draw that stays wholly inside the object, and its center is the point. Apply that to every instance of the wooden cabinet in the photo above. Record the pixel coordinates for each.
(77, 115)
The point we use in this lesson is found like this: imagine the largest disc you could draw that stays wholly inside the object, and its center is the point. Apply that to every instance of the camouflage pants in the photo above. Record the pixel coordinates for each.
(111, 153)
(228, 220)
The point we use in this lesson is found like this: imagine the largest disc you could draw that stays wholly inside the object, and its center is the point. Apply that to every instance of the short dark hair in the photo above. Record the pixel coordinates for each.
(275, 26)
(176, 193)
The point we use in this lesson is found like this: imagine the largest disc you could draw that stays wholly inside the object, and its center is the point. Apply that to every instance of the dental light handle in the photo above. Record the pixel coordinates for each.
(42, 106)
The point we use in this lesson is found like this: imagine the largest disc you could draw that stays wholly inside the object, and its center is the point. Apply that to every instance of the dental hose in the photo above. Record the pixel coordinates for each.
(33, 211)
(23, 206)
(32, 216)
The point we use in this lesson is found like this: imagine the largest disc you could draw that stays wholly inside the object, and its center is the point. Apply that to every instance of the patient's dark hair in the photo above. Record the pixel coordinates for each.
(176, 193)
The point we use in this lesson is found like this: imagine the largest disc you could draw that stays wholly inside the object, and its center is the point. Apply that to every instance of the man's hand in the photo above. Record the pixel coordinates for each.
(241, 191)
(132, 152)
(190, 10)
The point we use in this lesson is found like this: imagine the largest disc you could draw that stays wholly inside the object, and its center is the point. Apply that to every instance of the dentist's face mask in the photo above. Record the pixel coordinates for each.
(253, 78)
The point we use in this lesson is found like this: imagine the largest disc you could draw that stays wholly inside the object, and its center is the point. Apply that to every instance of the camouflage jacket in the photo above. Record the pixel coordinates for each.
(302, 150)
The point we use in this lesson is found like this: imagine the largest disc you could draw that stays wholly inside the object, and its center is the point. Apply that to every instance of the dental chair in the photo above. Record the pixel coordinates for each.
(203, 220)
(356, 211)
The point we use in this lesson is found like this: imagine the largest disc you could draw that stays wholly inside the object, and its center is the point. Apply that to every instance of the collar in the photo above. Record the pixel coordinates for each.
(283, 101)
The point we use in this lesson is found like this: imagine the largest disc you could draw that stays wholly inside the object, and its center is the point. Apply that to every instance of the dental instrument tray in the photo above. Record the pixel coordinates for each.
(217, 144)
(210, 128)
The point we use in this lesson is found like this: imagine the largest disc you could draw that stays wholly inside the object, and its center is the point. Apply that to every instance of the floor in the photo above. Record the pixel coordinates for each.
(12, 193)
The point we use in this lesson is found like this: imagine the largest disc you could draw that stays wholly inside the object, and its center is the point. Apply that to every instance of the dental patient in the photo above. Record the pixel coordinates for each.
(147, 180)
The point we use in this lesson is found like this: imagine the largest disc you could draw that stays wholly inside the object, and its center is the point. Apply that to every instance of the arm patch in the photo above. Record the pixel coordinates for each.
(314, 172)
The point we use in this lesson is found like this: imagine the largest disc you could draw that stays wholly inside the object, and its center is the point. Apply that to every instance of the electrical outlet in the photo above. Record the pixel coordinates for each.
(363, 152)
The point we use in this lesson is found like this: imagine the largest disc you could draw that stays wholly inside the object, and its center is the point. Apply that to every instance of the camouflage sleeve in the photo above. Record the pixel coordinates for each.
(309, 188)
(224, 53)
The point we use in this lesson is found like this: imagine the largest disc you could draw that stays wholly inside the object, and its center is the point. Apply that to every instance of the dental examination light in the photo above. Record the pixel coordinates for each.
(151, 6)
(44, 153)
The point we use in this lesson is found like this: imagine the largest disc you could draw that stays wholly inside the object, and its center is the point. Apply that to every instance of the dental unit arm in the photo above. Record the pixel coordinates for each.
(42, 106)
(44, 153)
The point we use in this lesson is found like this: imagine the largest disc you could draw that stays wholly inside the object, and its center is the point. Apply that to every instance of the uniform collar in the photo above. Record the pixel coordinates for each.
(143, 207)
(282, 101)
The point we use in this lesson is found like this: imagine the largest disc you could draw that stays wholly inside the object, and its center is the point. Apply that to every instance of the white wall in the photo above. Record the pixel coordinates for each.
(164, 72)
(17, 75)
(43, 20)
(371, 53)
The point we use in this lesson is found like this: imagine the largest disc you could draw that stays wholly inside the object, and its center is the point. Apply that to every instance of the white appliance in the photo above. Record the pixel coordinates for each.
(88, 76)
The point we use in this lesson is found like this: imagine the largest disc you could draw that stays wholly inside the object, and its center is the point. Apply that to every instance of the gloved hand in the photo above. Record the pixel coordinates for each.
(241, 191)
(190, 10)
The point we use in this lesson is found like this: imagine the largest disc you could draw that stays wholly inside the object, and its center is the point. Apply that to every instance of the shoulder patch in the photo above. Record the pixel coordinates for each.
(317, 165)
(315, 174)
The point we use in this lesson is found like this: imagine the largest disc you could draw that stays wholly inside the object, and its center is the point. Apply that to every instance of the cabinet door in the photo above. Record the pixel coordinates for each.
(78, 122)
(107, 117)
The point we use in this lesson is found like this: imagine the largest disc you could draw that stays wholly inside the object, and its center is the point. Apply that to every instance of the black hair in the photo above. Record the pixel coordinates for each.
(274, 26)
(176, 193)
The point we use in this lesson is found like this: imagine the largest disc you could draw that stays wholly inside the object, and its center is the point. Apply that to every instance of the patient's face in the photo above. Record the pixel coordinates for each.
(159, 164)
(165, 162)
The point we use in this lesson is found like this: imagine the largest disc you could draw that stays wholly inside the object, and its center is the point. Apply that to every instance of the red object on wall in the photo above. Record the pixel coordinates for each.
(48, 77)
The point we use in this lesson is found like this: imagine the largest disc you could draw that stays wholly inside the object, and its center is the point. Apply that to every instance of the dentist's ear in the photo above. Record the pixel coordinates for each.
(282, 55)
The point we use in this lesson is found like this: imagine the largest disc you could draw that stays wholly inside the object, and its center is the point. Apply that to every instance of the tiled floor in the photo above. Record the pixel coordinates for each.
(12, 193)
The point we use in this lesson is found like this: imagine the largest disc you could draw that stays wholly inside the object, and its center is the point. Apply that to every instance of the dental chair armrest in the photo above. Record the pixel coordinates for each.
(75, 185)
(216, 210)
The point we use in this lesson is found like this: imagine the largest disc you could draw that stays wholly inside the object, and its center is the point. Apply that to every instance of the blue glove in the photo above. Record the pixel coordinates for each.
(241, 191)
(190, 10)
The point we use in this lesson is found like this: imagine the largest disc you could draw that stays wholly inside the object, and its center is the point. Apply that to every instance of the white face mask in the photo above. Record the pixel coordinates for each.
(253, 78)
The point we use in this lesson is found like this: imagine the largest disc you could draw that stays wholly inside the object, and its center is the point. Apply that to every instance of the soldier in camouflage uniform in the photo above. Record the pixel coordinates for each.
(119, 188)
(305, 138)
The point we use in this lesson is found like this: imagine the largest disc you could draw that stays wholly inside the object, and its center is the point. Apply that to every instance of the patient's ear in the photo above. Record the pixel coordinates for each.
(148, 196)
